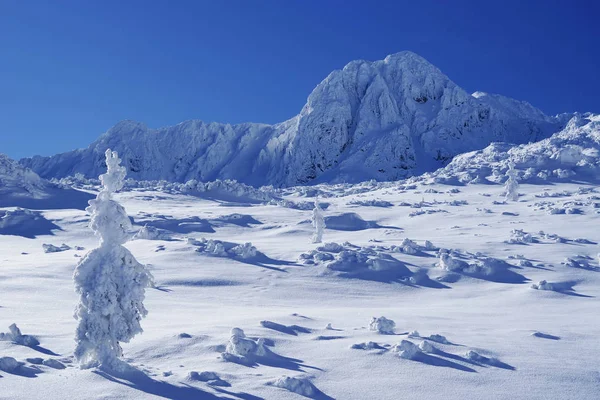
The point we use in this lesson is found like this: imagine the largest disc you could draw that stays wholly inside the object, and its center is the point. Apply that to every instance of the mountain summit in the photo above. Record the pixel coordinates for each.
(382, 120)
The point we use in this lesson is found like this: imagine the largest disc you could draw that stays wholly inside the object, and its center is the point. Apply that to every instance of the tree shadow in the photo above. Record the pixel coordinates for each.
(440, 362)
(545, 336)
(132, 377)
(25, 223)
(287, 329)
(269, 359)
(24, 371)
(567, 287)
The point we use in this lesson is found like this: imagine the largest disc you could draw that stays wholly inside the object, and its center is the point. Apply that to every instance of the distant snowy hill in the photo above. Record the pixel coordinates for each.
(573, 154)
(21, 187)
(380, 120)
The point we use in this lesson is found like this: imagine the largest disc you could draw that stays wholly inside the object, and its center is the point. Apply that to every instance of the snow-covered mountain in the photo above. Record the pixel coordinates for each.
(380, 120)
(572, 154)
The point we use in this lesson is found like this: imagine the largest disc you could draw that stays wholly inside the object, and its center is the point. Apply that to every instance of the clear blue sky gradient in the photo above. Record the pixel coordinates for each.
(72, 69)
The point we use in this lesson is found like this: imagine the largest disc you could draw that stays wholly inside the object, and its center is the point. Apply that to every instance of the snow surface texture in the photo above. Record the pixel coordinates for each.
(382, 120)
(461, 278)
(110, 281)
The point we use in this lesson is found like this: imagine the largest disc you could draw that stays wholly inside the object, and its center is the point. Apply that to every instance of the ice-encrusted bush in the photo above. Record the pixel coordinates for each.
(426, 347)
(301, 386)
(370, 203)
(518, 236)
(318, 223)
(245, 251)
(151, 233)
(216, 248)
(406, 349)
(241, 346)
(382, 325)
(110, 282)
(511, 187)
(14, 335)
(543, 285)
(50, 248)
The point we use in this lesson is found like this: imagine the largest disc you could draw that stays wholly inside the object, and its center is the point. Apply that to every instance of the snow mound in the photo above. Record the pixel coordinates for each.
(382, 325)
(241, 346)
(301, 386)
(152, 233)
(9, 364)
(348, 222)
(544, 285)
(366, 346)
(406, 349)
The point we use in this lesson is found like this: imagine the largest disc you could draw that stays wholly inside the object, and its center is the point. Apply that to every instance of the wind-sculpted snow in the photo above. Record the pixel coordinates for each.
(21, 187)
(571, 154)
(382, 120)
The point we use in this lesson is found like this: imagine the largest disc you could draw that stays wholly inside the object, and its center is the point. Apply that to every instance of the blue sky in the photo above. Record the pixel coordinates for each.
(72, 69)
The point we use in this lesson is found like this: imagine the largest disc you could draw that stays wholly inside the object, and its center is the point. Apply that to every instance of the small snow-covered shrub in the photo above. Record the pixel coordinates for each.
(331, 247)
(543, 285)
(242, 346)
(426, 347)
(245, 251)
(518, 236)
(151, 233)
(448, 263)
(50, 248)
(14, 335)
(438, 338)
(366, 346)
(301, 386)
(382, 325)
(370, 203)
(406, 349)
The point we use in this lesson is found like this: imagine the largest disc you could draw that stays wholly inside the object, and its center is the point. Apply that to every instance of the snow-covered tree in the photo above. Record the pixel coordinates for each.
(318, 222)
(512, 184)
(111, 283)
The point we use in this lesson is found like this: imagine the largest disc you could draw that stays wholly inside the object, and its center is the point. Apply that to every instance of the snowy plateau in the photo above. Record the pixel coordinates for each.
(398, 239)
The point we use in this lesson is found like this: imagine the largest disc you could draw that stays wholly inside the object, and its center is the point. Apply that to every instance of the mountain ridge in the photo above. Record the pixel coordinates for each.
(384, 120)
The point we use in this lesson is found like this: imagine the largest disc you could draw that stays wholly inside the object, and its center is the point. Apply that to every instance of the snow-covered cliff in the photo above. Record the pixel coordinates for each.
(381, 120)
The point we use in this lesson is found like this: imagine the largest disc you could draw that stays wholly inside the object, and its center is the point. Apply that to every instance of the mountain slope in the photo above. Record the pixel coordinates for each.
(21, 187)
(381, 120)
(573, 154)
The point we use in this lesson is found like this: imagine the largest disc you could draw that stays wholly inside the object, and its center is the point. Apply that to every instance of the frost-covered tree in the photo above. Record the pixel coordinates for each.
(511, 186)
(111, 283)
(318, 222)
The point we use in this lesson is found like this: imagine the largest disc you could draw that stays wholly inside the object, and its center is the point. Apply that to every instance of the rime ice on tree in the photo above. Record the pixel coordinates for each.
(318, 222)
(110, 281)
(512, 185)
